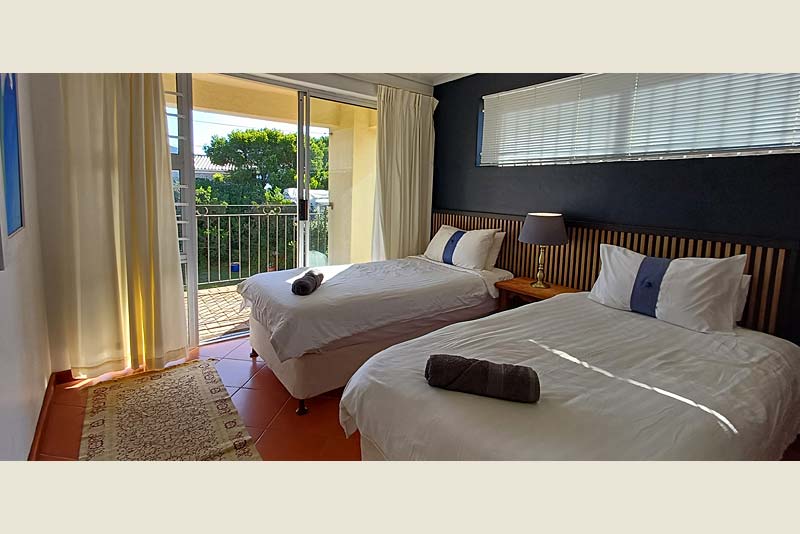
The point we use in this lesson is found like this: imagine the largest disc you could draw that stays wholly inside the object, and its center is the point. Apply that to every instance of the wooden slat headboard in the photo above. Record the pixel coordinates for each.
(577, 263)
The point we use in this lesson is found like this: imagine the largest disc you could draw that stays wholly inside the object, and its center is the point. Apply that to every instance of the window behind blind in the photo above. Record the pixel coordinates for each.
(613, 117)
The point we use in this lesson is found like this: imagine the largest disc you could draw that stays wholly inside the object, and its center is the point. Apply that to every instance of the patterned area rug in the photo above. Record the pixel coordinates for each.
(180, 413)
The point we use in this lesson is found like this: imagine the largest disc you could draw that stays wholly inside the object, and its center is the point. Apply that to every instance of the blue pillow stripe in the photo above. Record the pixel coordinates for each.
(450, 247)
(647, 285)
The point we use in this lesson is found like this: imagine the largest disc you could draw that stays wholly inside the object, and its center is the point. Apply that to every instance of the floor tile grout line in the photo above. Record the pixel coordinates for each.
(68, 404)
(221, 356)
(252, 377)
(260, 433)
(40, 459)
(274, 417)
(235, 346)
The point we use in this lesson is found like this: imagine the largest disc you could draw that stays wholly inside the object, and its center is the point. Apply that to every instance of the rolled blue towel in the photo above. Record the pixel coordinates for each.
(480, 377)
(308, 283)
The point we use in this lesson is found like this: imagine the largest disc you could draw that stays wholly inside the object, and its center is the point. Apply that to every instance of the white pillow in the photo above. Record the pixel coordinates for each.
(494, 250)
(741, 297)
(461, 248)
(618, 268)
(701, 293)
(697, 293)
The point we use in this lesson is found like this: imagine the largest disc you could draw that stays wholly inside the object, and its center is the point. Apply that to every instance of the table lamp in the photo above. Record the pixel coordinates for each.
(543, 229)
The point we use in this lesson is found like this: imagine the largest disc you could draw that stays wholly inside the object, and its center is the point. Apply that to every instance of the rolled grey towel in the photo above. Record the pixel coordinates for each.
(308, 283)
(479, 377)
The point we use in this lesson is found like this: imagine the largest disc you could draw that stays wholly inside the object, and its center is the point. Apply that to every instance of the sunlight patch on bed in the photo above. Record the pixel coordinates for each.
(721, 419)
(328, 272)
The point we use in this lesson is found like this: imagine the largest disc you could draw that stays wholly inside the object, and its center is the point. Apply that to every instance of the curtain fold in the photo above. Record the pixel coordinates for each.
(404, 186)
(115, 293)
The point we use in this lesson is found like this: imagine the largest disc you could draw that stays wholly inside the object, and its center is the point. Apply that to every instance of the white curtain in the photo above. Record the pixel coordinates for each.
(405, 173)
(114, 290)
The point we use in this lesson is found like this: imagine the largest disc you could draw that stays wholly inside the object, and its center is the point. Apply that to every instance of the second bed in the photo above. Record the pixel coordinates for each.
(315, 343)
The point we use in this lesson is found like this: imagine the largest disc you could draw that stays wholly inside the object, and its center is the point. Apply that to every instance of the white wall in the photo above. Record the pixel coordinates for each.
(24, 353)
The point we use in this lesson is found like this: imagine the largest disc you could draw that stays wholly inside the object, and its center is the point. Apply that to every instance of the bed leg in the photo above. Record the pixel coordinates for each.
(301, 407)
(253, 353)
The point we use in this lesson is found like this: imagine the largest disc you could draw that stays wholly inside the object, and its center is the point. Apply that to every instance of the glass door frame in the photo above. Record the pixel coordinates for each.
(305, 93)
(184, 162)
(186, 210)
(303, 176)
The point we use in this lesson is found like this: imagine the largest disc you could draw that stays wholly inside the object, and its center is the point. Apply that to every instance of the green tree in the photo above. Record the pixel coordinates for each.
(222, 190)
(319, 162)
(262, 158)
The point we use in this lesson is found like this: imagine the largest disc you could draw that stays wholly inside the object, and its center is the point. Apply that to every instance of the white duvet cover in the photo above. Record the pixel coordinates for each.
(614, 385)
(359, 297)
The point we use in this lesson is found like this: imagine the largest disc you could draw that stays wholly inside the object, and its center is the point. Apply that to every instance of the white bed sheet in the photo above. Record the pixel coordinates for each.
(359, 297)
(614, 385)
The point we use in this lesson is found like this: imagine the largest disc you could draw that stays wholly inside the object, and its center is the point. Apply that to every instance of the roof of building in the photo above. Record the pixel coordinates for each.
(202, 163)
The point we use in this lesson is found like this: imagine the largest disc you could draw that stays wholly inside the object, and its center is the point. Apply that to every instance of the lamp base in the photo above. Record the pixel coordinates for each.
(540, 285)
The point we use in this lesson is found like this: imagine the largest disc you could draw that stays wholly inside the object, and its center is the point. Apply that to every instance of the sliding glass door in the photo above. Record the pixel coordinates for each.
(342, 152)
(266, 178)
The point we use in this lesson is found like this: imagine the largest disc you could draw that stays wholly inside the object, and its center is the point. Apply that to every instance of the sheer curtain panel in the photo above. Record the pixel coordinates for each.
(405, 173)
(114, 289)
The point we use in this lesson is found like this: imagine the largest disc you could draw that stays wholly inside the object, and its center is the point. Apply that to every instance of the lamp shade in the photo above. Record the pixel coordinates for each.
(544, 229)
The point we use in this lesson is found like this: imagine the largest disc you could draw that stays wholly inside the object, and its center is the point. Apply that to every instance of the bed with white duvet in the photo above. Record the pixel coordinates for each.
(314, 343)
(360, 297)
(615, 385)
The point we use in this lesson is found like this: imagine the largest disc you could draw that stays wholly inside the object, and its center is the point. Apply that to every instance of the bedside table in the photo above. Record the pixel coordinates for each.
(518, 291)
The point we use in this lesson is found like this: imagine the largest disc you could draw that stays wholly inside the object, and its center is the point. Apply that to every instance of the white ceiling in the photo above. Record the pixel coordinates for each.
(362, 86)
(432, 78)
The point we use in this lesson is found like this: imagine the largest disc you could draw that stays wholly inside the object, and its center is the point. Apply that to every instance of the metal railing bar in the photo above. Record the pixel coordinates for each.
(275, 219)
(266, 244)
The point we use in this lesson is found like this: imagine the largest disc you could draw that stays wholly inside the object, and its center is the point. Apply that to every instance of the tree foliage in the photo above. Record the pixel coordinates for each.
(263, 165)
(319, 162)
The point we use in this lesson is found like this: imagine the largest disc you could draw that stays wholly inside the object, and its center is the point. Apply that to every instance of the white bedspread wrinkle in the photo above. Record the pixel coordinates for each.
(615, 385)
(359, 297)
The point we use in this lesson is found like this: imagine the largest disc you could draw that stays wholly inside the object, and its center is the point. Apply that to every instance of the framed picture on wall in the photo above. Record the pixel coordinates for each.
(10, 153)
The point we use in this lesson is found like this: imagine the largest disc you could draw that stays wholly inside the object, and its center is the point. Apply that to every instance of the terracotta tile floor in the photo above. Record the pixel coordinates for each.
(263, 403)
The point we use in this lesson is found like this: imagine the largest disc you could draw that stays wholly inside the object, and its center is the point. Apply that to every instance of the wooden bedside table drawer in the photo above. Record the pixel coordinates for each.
(518, 291)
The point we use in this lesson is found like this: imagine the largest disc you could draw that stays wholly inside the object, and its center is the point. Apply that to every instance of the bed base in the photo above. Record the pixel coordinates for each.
(301, 403)
(315, 373)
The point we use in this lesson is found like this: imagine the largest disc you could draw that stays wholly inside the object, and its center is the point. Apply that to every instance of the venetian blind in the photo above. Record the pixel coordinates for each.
(612, 117)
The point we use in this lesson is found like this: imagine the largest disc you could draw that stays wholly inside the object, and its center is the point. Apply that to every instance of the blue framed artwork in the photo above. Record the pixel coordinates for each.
(9, 151)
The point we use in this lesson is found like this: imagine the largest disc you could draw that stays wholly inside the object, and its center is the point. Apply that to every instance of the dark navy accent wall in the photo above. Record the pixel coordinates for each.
(753, 196)
(756, 196)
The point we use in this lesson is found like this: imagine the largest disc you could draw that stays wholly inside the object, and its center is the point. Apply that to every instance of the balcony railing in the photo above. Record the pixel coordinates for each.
(237, 241)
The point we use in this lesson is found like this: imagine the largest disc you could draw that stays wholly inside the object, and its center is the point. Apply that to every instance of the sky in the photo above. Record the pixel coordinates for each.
(207, 124)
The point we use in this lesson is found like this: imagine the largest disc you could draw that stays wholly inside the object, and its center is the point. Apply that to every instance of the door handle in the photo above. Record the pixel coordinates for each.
(303, 209)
